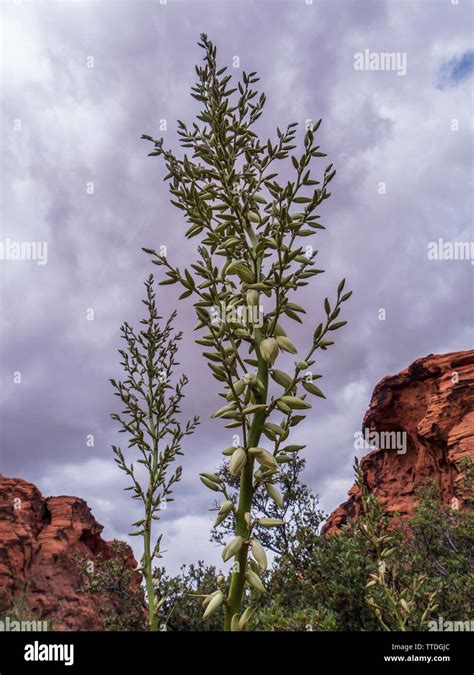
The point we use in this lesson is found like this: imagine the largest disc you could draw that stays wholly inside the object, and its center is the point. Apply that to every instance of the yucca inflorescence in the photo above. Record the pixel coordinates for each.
(250, 261)
(150, 419)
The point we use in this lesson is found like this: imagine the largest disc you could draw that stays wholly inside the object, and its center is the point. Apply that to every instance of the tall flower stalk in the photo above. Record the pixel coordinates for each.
(150, 420)
(251, 259)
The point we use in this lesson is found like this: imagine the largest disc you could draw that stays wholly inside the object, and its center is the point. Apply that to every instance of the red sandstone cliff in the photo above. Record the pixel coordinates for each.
(39, 540)
(433, 402)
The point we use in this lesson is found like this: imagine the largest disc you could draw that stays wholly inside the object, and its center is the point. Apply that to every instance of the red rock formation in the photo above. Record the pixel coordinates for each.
(433, 402)
(39, 539)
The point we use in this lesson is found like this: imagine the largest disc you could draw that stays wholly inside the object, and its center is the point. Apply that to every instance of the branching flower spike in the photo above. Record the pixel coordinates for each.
(253, 256)
(150, 420)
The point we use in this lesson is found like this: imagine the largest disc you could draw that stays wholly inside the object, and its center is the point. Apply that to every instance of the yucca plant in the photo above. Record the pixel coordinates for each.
(150, 419)
(251, 259)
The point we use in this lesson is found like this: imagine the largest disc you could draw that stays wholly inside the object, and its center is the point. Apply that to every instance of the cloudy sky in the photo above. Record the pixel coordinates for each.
(81, 81)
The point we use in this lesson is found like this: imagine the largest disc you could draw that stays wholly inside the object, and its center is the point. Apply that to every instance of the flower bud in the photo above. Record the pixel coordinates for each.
(215, 603)
(252, 297)
(242, 271)
(209, 597)
(232, 548)
(255, 581)
(281, 378)
(269, 350)
(237, 461)
(294, 402)
(279, 330)
(224, 511)
(211, 476)
(267, 460)
(234, 624)
(286, 344)
(271, 522)
(210, 484)
(259, 554)
(245, 618)
(237, 388)
(226, 507)
(274, 494)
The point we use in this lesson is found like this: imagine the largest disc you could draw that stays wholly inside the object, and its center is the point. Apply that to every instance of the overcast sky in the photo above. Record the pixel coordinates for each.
(81, 81)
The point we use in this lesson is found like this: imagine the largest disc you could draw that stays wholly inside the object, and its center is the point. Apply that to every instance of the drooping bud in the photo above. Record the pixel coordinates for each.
(224, 511)
(274, 428)
(313, 389)
(267, 460)
(253, 566)
(245, 618)
(210, 484)
(225, 408)
(211, 476)
(209, 597)
(295, 403)
(283, 407)
(259, 554)
(237, 461)
(237, 388)
(232, 548)
(252, 297)
(272, 492)
(271, 522)
(269, 350)
(241, 270)
(286, 344)
(255, 581)
(281, 458)
(281, 378)
(234, 624)
(215, 603)
(226, 507)
(241, 332)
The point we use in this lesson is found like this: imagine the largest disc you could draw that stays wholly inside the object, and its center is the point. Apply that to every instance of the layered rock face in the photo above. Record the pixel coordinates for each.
(428, 411)
(39, 541)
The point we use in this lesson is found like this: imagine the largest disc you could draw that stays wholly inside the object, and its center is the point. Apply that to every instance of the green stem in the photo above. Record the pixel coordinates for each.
(237, 583)
(150, 591)
(148, 557)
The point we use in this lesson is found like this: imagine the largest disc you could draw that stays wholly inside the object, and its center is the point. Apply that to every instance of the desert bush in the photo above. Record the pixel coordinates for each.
(181, 597)
(374, 576)
(111, 579)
